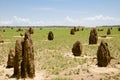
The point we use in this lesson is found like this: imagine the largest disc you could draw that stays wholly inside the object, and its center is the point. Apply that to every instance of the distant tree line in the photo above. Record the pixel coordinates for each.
(54, 26)
(109, 26)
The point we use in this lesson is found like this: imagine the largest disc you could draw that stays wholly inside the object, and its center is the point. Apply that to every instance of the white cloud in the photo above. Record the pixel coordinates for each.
(21, 22)
(6, 22)
(37, 23)
(72, 21)
(97, 20)
(68, 18)
(19, 19)
(100, 20)
(40, 22)
(99, 17)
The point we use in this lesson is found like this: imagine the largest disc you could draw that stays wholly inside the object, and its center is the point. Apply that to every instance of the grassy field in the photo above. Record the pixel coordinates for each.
(53, 56)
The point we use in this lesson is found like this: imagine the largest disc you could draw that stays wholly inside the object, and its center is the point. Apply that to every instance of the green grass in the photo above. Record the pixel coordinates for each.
(49, 54)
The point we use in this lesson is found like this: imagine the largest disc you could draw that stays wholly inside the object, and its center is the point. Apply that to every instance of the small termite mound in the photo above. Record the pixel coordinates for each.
(77, 48)
(103, 55)
(75, 29)
(72, 32)
(78, 29)
(50, 35)
(108, 31)
(1, 41)
(31, 31)
(21, 34)
(93, 38)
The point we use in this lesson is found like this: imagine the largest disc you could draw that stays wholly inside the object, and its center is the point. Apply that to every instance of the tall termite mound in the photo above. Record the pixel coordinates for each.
(18, 59)
(50, 35)
(24, 58)
(103, 55)
(28, 57)
(77, 48)
(10, 62)
(93, 38)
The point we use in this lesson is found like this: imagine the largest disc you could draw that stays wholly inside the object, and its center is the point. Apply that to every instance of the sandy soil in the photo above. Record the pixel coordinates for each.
(90, 71)
(107, 37)
(87, 71)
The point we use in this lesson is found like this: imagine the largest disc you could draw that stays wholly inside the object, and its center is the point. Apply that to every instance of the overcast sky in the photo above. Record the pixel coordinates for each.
(59, 12)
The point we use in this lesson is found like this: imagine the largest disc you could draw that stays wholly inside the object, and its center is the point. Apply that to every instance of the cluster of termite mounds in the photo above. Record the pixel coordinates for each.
(100, 29)
(74, 29)
(103, 55)
(108, 32)
(50, 35)
(23, 58)
(93, 38)
(77, 48)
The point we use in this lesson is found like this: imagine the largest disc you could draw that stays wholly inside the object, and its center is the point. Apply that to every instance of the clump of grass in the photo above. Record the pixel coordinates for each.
(56, 63)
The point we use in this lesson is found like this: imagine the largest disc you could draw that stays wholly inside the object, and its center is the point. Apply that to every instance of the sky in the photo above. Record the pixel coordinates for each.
(59, 12)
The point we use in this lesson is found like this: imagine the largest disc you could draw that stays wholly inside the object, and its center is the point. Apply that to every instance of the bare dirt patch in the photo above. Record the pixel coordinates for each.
(86, 44)
(107, 37)
(89, 70)
(95, 69)
(70, 54)
(5, 74)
